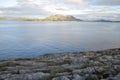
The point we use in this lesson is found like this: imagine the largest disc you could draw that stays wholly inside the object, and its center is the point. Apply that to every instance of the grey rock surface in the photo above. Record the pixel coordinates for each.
(93, 65)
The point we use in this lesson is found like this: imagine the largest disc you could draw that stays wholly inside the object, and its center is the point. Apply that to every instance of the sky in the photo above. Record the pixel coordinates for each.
(84, 9)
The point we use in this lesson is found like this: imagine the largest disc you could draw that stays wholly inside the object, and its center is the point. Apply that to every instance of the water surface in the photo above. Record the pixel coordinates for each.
(30, 39)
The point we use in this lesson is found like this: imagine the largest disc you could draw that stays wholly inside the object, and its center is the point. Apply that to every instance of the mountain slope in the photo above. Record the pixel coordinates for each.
(61, 18)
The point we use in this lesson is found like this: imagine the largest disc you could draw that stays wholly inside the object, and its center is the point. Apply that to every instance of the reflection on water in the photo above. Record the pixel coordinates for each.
(29, 39)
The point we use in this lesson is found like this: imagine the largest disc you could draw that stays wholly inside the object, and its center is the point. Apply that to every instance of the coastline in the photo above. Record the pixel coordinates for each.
(91, 65)
(48, 20)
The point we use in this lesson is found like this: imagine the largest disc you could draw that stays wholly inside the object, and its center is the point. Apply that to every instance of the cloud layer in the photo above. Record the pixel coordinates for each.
(89, 9)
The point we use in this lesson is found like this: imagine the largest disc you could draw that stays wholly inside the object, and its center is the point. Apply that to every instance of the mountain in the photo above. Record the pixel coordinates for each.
(61, 18)
(57, 17)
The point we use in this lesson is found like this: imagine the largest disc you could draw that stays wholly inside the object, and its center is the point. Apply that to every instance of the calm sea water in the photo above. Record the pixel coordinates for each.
(30, 39)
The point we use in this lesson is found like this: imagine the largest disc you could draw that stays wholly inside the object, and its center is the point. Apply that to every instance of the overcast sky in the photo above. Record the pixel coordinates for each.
(85, 9)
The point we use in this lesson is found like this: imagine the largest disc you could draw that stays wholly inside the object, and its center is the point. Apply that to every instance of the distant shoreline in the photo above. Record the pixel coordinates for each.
(55, 18)
(62, 21)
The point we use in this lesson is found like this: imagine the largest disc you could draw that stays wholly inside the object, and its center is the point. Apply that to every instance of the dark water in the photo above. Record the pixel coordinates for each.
(29, 39)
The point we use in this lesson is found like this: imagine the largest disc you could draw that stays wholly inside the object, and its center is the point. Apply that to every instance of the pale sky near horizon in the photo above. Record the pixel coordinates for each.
(85, 9)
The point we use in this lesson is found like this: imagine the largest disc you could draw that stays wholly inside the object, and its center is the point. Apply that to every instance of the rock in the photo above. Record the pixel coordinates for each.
(117, 77)
(34, 76)
(96, 65)
(89, 70)
(62, 74)
(61, 78)
(91, 77)
(77, 77)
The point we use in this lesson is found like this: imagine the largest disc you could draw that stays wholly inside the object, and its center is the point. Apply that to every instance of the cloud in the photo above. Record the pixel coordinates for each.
(106, 2)
(24, 8)
(62, 8)
(76, 1)
(1, 13)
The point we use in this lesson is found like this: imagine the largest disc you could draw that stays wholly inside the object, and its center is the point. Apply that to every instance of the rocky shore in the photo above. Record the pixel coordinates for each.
(93, 65)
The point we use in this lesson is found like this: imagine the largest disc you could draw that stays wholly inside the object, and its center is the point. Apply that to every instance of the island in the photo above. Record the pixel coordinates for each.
(57, 17)
(61, 18)
(90, 65)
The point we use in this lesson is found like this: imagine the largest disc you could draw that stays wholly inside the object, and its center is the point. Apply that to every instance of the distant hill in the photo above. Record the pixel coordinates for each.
(27, 19)
(103, 20)
(51, 18)
(3, 18)
(61, 18)
(57, 17)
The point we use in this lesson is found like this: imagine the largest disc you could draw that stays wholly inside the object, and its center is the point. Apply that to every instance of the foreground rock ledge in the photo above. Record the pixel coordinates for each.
(94, 65)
